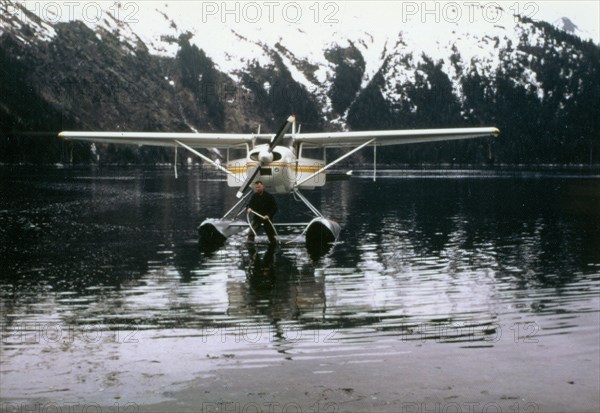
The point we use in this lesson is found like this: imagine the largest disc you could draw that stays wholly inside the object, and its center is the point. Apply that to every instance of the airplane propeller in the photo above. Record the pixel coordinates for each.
(266, 155)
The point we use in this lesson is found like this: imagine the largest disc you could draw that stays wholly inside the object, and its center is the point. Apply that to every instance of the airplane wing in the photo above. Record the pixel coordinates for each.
(196, 140)
(393, 137)
(322, 139)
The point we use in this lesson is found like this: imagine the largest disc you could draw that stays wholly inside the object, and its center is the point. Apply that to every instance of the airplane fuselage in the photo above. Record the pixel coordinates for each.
(281, 169)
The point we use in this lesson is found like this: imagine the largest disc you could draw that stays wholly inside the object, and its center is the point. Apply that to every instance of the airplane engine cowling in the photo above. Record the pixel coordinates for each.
(265, 156)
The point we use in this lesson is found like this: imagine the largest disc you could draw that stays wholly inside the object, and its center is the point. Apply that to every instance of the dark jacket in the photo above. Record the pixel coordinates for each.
(263, 204)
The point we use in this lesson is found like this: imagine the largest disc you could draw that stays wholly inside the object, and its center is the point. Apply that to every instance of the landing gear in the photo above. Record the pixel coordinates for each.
(213, 232)
(319, 233)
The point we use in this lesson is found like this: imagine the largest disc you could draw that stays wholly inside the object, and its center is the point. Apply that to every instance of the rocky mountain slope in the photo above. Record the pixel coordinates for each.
(163, 67)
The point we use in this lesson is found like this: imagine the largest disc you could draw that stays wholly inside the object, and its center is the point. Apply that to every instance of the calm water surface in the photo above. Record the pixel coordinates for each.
(106, 296)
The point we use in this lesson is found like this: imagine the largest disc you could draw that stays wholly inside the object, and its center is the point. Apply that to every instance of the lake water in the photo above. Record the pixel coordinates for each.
(106, 297)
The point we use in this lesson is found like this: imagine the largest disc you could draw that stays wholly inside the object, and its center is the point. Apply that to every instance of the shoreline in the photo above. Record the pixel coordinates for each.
(423, 378)
(546, 376)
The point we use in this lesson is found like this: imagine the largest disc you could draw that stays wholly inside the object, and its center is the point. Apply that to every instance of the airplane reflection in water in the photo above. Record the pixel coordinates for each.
(277, 286)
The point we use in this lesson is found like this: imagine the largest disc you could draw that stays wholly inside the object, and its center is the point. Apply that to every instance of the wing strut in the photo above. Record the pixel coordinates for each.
(175, 162)
(308, 204)
(374, 163)
(329, 165)
(205, 158)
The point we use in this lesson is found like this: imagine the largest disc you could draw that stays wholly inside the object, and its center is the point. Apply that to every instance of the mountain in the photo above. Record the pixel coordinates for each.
(166, 67)
(565, 24)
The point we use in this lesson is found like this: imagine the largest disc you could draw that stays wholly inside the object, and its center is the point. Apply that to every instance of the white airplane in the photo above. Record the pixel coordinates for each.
(278, 161)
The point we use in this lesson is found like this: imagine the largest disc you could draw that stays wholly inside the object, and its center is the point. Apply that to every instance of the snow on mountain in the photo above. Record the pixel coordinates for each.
(392, 38)
(233, 37)
(24, 24)
(401, 39)
(565, 24)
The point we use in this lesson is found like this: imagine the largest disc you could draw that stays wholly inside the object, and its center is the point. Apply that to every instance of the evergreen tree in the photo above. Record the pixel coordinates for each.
(349, 70)
(200, 76)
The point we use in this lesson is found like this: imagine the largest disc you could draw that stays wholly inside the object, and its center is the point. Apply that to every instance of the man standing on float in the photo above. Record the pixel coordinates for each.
(262, 203)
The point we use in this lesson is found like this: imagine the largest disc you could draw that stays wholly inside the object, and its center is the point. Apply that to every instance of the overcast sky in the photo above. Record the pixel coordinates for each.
(584, 13)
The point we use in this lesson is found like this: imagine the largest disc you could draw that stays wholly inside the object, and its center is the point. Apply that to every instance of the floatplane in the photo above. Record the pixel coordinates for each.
(279, 161)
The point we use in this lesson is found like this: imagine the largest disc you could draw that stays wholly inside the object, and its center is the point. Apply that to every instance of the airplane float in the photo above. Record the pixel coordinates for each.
(278, 161)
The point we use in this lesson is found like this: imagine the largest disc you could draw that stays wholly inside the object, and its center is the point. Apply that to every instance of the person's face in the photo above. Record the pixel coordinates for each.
(259, 188)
